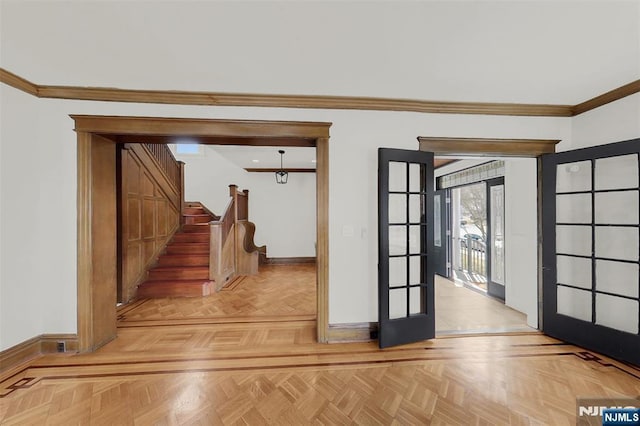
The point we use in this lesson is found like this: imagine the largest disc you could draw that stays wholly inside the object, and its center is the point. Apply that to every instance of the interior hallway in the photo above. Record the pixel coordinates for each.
(233, 359)
(462, 310)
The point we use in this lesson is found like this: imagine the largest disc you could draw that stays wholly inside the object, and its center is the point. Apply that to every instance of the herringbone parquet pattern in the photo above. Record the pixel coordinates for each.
(163, 371)
(285, 290)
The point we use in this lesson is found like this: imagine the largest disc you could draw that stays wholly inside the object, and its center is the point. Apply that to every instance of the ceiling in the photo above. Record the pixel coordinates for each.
(267, 157)
(256, 157)
(550, 52)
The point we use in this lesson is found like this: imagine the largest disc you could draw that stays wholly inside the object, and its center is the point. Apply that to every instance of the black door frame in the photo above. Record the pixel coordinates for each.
(418, 326)
(493, 289)
(442, 260)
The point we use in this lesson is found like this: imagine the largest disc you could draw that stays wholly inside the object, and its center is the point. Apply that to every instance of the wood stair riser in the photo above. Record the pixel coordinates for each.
(177, 288)
(193, 210)
(201, 228)
(184, 260)
(195, 219)
(200, 248)
(191, 237)
(183, 269)
(179, 273)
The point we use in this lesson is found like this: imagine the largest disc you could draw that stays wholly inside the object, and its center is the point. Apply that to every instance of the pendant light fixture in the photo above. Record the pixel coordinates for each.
(281, 175)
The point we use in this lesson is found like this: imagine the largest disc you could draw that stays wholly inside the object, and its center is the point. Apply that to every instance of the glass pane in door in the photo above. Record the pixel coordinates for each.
(437, 222)
(405, 286)
(497, 234)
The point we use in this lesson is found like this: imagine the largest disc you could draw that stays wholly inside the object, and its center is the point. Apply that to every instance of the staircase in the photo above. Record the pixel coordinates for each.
(183, 269)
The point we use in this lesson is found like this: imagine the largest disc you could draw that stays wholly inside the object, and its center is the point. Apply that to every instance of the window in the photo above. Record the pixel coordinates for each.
(188, 149)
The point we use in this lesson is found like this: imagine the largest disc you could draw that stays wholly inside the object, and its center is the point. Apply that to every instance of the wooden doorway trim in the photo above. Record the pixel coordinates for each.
(495, 147)
(94, 322)
(488, 147)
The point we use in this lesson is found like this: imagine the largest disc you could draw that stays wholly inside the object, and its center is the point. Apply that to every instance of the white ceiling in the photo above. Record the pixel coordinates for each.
(561, 52)
(268, 157)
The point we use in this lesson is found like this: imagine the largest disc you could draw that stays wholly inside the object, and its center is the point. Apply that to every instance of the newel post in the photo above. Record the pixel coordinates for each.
(246, 204)
(182, 201)
(233, 192)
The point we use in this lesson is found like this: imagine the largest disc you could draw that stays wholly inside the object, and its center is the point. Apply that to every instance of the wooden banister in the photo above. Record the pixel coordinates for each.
(232, 251)
(166, 162)
(222, 244)
(181, 188)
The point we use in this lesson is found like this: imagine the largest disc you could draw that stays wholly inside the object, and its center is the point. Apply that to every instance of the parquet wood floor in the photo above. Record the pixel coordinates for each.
(460, 309)
(282, 291)
(178, 371)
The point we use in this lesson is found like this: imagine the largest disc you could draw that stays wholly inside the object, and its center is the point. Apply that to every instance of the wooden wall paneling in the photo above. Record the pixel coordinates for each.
(149, 216)
(104, 247)
(322, 250)
(247, 262)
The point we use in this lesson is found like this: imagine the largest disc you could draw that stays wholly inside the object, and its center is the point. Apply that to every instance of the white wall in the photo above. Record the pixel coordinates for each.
(21, 277)
(614, 122)
(285, 215)
(521, 241)
(355, 138)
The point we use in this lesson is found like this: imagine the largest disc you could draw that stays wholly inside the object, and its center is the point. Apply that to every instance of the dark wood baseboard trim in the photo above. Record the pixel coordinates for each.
(34, 347)
(352, 332)
(289, 260)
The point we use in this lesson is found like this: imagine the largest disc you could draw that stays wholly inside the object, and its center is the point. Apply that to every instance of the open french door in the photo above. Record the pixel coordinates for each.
(441, 233)
(495, 243)
(591, 236)
(405, 243)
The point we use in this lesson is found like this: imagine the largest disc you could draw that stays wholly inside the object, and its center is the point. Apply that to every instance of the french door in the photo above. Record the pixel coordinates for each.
(591, 236)
(441, 233)
(495, 242)
(405, 244)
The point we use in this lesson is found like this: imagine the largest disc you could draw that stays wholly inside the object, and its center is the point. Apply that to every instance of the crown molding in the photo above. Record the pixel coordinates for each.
(605, 98)
(301, 101)
(15, 81)
(104, 94)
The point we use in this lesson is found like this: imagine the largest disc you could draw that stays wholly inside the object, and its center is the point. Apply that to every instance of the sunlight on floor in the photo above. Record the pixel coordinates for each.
(461, 310)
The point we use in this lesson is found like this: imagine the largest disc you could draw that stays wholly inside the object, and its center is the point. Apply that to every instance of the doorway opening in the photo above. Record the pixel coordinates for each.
(470, 290)
(97, 234)
(471, 284)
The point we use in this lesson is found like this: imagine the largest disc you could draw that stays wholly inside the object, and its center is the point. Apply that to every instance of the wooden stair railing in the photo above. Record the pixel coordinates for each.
(232, 250)
(222, 263)
(172, 168)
